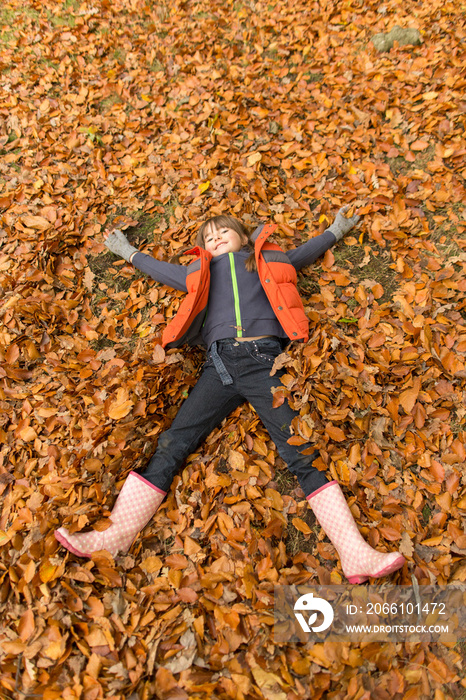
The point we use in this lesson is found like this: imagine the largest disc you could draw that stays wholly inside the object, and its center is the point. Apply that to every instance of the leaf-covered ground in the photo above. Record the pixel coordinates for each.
(151, 116)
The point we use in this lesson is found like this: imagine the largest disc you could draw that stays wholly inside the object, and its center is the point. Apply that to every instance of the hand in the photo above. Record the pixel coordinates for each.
(119, 244)
(342, 225)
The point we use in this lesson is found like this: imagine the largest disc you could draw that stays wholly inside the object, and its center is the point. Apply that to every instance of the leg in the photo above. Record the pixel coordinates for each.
(257, 386)
(208, 403)
(136, 504)
(358, 559)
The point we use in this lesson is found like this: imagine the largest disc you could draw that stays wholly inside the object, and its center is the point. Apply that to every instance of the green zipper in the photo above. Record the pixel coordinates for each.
(239, 329)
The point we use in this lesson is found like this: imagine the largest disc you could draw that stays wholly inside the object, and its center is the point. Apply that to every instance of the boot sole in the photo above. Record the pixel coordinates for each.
(394, 566)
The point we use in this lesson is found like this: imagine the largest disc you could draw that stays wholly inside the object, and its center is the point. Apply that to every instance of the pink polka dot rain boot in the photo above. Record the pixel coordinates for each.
(358, 560)
(136, 504)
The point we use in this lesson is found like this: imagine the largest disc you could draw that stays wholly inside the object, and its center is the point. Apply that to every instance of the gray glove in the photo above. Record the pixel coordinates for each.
(119, 244)
(342, 225)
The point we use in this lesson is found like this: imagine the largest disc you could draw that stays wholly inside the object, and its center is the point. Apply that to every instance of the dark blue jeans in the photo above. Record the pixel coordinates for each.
(210, 401)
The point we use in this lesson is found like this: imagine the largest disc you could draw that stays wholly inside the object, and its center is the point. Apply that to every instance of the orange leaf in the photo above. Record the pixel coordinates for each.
(12, 354)
(343, 471)
(437, 470)
(158, 354)
(225, 523)
(121, 406)
(301, 526)
(296, 440)
(36, 222)
(151, 564)
(187, 595)
(47, 571)
(102, 524)
(28, 434)
(433, 541)
(329, 259)
(26, 625)
(419, 145)
(191, 546)
(408, 398)
(335, 433)
(354, 454)
(176, 561)
(376, 340)
(389, 533)
(237, 461)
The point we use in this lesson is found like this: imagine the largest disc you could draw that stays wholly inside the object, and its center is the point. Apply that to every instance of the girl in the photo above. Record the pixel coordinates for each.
(242, 303)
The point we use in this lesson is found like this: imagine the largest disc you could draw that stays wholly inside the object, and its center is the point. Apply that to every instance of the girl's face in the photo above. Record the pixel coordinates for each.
(222, 240)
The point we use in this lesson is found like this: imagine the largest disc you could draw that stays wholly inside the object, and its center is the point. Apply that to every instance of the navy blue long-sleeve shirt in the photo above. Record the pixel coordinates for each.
(238, 305)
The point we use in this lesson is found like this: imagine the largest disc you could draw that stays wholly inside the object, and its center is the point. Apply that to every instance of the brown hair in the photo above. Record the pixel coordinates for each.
(224, 220)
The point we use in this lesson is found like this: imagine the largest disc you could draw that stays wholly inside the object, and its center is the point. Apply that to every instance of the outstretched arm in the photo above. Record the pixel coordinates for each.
(169, 274)
(311, 250)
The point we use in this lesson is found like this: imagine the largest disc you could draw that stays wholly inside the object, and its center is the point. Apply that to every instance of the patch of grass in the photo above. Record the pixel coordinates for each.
(7, 17)
(313, 77)
(398, 165)
(162, 10)
(271, 53)
(49, 63)
(401, 166)
(12, 21)
(106, 268)
(446, 229)
(143, 231)
(296, 541)
(71, 5)
(119, 55)
(102, 343)
(457, 423)
(11, 137)
(350, 258)
(426, 513)
(286, 481)
(109, 101)
(307, 285)
(6, 35)
(377, 268)
(100, 266)
(351, 303)
(60, 20)
(423, 158)
(156, 66)
(5, 38)
(170, 208)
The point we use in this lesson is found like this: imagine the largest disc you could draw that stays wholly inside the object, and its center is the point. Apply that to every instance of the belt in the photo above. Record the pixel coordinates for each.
(219, 366)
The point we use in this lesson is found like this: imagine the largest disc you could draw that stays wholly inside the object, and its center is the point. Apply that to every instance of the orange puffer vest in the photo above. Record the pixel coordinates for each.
(278, 278)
